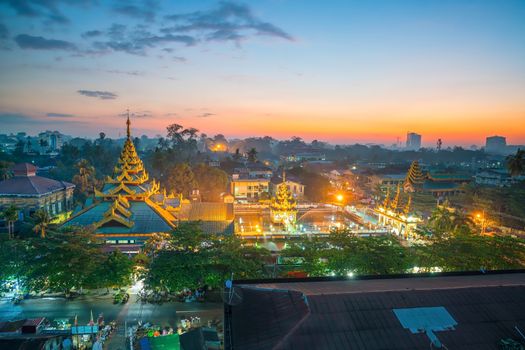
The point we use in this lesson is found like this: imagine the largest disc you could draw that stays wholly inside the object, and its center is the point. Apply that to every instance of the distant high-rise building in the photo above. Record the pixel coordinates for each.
(496, 144)
(413, 141)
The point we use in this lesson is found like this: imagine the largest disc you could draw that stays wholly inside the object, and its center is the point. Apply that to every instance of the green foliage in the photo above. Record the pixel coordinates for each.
(505, 206)
(342, 253)
(317, 187)
(516, 163)
(85, 180)
(192, 259)
(41, 220)
(116, 270)
(63, 261)
(446, 222)
(252, 155)
(211, 182)
(181, 179)
(468, 252)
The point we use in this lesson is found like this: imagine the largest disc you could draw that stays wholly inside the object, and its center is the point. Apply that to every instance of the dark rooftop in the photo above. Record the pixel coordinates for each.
(358, 314)
(31, 185)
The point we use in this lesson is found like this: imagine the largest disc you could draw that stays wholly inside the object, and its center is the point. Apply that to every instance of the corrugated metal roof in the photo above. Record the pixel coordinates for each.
(271, 319)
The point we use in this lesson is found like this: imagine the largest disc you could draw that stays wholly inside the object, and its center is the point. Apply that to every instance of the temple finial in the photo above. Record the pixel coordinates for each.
(284, 175)
(128, 123)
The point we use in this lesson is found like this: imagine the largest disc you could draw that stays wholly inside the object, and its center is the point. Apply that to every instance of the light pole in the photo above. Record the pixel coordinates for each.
(482, 218)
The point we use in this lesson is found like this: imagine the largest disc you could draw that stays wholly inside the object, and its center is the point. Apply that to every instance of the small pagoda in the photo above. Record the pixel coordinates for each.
(283, 207)
(399, 217)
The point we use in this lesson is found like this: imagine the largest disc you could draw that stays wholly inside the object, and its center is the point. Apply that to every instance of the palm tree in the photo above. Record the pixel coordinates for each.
(11, 215)
(252, 155)
(42, 219)
(441, 220)
(4, 170)
(516, 163)
(85, 177)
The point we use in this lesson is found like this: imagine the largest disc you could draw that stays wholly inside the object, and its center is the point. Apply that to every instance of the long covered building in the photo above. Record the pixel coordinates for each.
(131, 207)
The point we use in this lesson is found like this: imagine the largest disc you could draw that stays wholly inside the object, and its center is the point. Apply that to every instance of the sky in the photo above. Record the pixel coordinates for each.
(339, 71)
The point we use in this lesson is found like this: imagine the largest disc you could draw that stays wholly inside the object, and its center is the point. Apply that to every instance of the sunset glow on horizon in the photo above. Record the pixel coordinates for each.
(351, 72)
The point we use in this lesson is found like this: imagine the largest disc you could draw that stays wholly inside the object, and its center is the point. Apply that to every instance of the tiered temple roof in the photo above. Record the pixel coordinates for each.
(130, 206)
(415, 178)
(123, 204)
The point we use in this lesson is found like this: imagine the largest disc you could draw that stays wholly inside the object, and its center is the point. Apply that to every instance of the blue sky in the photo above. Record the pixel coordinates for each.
(344, 71)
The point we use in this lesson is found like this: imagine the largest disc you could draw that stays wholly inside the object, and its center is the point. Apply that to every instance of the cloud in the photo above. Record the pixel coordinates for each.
(48, 9)
(138, 39)
(228, 21)
(13, 118)
(141, 114)
(205, 115)
(125, 72)
(25, 41)
(145, 10)
(4, 32)
(92, 34)
(59, 115)
(179, 59)
(103, 95)
(24, 120)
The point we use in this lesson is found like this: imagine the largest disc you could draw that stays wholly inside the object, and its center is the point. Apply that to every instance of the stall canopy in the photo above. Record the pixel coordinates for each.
(84, 330)
(166, 342)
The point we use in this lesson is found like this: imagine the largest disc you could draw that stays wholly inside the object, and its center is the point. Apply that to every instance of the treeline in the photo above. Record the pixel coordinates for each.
(63, 261)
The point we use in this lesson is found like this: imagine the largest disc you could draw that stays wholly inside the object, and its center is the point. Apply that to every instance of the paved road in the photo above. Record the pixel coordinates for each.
(133, 311)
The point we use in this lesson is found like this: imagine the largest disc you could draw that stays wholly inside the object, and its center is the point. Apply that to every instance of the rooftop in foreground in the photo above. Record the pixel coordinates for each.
(359, 314)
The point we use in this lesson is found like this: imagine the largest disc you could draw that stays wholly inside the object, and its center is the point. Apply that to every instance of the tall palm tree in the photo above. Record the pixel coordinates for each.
(11, 215)
(42, 219)
(516, 163)
(4, 170)
(85, 177)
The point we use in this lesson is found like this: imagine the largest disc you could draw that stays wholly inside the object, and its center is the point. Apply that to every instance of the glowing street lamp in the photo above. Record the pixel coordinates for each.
(339, 197)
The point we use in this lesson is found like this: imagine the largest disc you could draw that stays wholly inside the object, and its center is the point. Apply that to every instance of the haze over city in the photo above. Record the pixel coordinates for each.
(347, 72)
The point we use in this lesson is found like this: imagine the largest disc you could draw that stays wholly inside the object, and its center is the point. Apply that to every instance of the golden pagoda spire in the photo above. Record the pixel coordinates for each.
(395, 202)
(284, 175)
(128, 123)
(386, 202)
(407, 206)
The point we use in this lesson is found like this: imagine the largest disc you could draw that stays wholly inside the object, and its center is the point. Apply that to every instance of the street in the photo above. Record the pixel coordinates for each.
(166, 314)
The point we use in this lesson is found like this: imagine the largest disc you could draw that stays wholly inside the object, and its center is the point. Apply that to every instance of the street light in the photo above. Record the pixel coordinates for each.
(481, 217)
(339, 197)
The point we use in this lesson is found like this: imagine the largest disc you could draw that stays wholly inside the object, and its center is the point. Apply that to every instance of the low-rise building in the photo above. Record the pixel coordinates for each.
(497, 177)
(251, 183)
(29, 192)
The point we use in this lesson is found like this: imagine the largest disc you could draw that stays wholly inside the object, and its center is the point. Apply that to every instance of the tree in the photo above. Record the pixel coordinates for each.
(116, 269)
(252, 155)
(446, 222)
(180, 179)
(467, 252)
(4, 170)
(343, 252)
(516, 163)
(63, 261)
(237, 155)
(211, 182)
(193, 259)
(11, 215)
(84, 180)
(41, 219)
